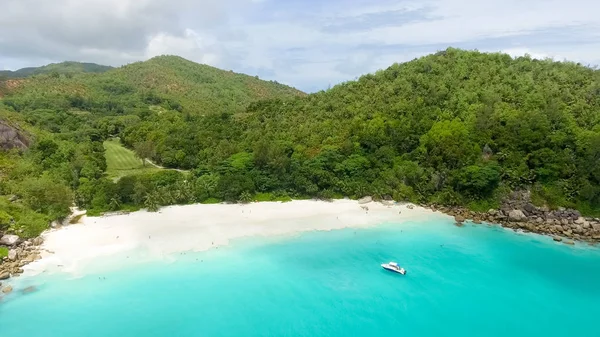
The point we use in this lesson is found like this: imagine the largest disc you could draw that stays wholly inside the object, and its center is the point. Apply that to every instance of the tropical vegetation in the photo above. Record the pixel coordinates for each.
(455, 128)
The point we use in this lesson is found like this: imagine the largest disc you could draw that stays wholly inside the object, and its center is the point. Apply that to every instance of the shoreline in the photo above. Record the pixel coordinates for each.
(145, 236)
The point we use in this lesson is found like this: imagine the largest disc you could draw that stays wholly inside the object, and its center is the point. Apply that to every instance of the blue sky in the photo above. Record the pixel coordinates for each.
(307, 44)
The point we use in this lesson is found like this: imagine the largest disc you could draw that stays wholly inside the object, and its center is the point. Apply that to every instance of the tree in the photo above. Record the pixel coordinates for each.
(152, 201)
(144, 150)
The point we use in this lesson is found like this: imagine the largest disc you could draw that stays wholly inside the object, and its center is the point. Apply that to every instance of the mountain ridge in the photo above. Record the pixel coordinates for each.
(66, 67)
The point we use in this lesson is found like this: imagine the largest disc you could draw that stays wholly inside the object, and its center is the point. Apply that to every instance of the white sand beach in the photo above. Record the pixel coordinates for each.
(143, 235)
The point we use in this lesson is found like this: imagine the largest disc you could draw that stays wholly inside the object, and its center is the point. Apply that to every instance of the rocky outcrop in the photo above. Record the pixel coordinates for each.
(518, 213)
(365, 200)
(18, 256)
(12, 138)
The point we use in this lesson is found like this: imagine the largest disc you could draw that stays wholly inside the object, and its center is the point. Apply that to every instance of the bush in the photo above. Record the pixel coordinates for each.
(5, 220)
(211, 201)
(31, 224)
(3, 252)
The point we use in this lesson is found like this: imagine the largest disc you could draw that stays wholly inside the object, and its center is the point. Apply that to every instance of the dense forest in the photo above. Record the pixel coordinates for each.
(454, 128)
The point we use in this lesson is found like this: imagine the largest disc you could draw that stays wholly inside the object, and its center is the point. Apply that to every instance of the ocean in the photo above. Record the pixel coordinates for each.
(478, 280)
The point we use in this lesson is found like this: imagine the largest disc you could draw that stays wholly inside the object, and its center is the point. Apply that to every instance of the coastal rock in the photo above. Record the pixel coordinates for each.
(580, 221)
(516, 215)
(12, 255)
(9, 240)
(569, 242)
(557, 238)
(7, 289)
(365, 200)
(29, 290)
(596, 226)
(459, 218)
(529, 208)
(37, 241)
(586, 225)
(4, 275)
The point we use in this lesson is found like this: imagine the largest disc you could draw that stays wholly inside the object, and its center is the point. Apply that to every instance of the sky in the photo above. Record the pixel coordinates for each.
(308, 44)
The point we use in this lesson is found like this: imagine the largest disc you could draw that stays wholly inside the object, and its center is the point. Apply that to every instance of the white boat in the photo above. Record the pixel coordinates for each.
(393, 266)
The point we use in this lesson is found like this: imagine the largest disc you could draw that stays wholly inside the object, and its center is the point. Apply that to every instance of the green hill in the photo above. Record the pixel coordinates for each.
(457, 127)
(56, 69)
(170, 82)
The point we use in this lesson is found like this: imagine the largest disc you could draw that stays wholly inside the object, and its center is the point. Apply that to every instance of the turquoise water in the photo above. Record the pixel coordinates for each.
(470, 281)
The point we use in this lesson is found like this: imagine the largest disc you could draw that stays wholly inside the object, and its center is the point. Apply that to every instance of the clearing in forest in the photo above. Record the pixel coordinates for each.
(121, 161)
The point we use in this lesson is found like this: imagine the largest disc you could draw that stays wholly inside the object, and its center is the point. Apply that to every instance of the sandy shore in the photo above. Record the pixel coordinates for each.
(143, 235)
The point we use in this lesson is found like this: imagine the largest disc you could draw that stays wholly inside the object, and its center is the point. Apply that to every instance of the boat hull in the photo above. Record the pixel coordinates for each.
(394, 270)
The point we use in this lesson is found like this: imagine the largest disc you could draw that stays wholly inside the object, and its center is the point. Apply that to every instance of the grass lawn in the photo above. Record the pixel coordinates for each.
(121, 161)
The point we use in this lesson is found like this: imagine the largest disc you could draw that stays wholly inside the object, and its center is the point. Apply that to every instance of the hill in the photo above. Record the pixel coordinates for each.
(56, 69)
(168, 82)
(456, 127)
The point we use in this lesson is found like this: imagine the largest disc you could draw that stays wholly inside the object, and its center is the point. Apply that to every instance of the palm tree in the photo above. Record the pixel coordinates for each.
(151, 202)
(114, 204)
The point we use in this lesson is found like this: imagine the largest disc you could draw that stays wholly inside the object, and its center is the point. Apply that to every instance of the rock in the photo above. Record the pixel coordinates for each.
(586, 225)
(516, 215)
(569, 242)
(12, 255)
(564, 222)
(9, 240)
(529, 208)
(7, 289)
(492, 212)
(12, 137)
(365, 200)
(539, 220)
(410, 206)
(578, 229)
(4, 275)
(37, 241)
(478, 222)
(459, 218)
(458, 224)
(29, 290)
(557, 238)
(580, 221)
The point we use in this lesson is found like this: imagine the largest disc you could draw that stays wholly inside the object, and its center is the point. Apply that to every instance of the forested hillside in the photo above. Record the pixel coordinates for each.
(55, 69)
(455, 128)
(163, 83)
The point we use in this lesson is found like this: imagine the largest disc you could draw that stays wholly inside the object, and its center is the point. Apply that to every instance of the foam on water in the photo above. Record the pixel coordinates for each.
(470, 281)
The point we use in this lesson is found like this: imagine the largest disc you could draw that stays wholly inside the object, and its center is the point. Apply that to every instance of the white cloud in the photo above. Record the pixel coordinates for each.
(191, 46)
(309, 45)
